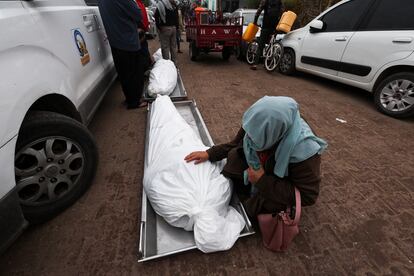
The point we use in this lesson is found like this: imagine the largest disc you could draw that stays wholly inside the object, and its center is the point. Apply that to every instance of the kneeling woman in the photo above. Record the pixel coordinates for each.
(274, 152)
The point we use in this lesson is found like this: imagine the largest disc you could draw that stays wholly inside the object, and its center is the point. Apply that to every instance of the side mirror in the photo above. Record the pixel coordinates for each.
(316, 26)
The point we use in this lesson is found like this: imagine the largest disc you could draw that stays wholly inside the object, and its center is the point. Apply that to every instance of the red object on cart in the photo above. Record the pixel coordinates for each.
(209, 32)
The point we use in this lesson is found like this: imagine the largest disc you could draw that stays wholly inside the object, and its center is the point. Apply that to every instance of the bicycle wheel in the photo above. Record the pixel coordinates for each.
(273, 60)
(251, 52)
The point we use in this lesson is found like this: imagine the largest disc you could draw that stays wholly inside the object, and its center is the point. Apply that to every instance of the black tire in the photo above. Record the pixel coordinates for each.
(226, 53)
(193, 51)
(287, 63)
(44, 127)
(238, 53)
(251, 52)
(387, 103)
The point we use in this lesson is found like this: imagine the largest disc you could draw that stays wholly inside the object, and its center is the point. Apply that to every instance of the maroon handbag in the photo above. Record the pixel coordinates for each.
(278, 230)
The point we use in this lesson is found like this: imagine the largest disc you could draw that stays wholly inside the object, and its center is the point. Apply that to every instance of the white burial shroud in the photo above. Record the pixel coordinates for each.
(193, 197)
(163, 78)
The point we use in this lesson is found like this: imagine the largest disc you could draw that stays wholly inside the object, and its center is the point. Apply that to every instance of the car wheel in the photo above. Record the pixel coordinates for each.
(251, 52)
(226, 53)
(287, 63)
(193, 51)
(394, 96)
(55, 163)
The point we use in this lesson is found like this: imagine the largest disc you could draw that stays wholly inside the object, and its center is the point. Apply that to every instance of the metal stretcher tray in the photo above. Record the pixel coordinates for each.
(178, 94)
(157, 237)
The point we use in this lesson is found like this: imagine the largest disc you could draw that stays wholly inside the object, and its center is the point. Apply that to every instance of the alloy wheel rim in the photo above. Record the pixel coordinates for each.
(397, 95)
(285, 62)
(47, 169)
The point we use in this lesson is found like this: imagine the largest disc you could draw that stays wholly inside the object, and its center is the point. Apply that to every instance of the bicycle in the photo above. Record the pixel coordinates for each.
(272, 52)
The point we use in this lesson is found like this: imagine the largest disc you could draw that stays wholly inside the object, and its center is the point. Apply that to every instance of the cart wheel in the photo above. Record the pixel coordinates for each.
(226, 53)
(251, 52)
(193, 51)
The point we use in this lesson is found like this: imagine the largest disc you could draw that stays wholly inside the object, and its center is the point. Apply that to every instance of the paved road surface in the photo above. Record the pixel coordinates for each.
(362, 224)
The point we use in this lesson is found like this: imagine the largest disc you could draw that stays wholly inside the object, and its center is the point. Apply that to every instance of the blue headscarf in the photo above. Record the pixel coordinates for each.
(274, 120)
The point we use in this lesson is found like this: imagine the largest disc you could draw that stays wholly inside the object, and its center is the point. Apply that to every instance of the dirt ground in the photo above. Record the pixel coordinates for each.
(362, 224)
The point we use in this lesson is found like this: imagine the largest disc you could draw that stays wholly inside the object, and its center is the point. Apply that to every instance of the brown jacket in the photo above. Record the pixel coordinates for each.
(274, 192)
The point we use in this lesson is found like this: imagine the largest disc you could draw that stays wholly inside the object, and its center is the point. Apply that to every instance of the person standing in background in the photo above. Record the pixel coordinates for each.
(121, 20)
(166, 19)
(180, 29)
(143, 40)
(272, 12)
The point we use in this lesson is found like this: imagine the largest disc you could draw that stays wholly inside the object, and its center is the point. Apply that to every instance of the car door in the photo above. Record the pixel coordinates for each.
(103, 44)
(68, 29)
(322, 49)
(386, 35)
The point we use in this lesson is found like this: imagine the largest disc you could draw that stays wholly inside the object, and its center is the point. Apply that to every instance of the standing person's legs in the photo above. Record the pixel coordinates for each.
(173, 45)
(178, 41)
(125, 63)
(264, 38)
(135, 79)
(165, 34)
(142, 64)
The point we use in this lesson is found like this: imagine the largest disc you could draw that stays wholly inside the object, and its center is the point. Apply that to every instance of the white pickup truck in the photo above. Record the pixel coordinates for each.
(55, 68)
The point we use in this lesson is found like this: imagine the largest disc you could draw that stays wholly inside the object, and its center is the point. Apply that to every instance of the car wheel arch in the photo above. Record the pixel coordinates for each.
(56, 103)
(390, 71)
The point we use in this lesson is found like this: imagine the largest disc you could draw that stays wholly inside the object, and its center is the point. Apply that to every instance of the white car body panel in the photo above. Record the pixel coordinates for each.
(324, 45)
(65, 20)
(375, 49)
(7, 167)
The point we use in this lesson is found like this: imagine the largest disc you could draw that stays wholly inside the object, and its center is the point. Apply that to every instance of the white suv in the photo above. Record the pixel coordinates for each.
(55, 67)
(364, 43)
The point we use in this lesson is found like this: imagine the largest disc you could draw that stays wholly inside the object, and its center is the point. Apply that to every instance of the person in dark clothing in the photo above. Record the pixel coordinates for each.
(166, 19)
(147, 58)
(147, 62)
(274, 152)
(272, 12)
(121, 20)
(179, 30)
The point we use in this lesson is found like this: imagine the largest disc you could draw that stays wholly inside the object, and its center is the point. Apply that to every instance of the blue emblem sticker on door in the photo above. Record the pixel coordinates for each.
(81, 46)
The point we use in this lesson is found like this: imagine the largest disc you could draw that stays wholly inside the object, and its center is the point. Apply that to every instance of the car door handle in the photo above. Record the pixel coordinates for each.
(402, 40)
(341, 38)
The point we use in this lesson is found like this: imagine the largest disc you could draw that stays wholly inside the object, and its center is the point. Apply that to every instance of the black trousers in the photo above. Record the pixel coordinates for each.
(131, 68)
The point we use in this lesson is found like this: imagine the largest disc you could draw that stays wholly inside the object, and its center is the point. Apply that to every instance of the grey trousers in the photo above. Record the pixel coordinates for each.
(168, 39)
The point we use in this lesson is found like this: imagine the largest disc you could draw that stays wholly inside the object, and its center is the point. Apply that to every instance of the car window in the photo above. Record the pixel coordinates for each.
(345, 17)
(249, 18)
(391, 15)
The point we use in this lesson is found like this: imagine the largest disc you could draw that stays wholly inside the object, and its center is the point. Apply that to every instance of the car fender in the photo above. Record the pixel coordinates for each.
(408, 61)
(294, 40)
(28, 73)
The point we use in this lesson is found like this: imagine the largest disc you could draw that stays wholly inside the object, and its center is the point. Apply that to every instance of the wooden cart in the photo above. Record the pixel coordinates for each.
(208, 32)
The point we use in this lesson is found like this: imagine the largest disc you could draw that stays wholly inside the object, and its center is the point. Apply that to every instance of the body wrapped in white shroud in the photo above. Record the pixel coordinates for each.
(193, 197)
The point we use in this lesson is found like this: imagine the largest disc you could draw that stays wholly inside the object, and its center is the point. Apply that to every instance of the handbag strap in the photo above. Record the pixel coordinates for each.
(285, 215)
(298, 207)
